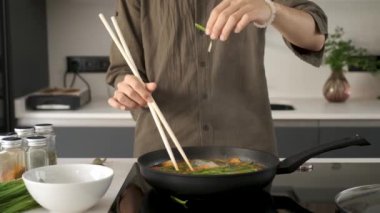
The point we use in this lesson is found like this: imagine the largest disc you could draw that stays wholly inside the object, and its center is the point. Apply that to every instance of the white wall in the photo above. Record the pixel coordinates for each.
(290, 77)
(74, 29)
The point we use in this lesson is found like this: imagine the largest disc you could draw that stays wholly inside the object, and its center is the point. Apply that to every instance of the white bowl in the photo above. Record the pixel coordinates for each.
(68, 187)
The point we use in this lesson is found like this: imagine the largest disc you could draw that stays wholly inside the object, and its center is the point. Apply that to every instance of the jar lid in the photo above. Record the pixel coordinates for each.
(7, 134)
(24, 129)
(43, 127)
(36, 141)
(11, 142)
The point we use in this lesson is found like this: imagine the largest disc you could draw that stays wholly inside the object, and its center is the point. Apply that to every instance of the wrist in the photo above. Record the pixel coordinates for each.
(273, 10)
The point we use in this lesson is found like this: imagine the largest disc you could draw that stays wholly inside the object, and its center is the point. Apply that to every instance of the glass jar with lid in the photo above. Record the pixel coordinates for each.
(12, 159)
(37, 153)
(47, 131)
(6, 135)
(24, 132)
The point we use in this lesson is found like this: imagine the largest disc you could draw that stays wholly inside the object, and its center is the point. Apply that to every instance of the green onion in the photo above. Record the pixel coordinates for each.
(200, 27)
(15, 197)
(182, 202)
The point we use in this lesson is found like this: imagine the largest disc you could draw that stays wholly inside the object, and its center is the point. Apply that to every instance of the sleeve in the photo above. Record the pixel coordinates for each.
(312, 57)
(128, 18)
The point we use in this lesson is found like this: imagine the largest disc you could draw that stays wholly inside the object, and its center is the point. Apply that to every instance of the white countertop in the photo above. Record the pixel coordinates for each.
(320, 109)
(122, 166)
(98, 113)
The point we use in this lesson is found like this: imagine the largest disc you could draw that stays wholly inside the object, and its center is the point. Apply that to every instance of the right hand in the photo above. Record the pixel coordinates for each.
(131, 94)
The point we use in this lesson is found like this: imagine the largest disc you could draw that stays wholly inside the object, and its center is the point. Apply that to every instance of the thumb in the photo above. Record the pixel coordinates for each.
(151, 86)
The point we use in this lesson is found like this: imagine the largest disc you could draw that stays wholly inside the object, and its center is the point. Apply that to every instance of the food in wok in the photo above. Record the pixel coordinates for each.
(233, 165)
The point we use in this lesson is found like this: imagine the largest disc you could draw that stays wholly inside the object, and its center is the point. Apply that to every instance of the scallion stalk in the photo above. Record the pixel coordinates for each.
(200, 27)
(15, 197)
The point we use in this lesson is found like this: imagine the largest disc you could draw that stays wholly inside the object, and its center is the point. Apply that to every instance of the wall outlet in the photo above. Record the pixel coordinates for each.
(87, 63)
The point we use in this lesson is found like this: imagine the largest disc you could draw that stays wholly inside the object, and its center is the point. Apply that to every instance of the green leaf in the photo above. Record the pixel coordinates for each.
(340, 53)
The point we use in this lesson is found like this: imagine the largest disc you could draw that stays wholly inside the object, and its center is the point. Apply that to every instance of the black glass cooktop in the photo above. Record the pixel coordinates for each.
(311, 189)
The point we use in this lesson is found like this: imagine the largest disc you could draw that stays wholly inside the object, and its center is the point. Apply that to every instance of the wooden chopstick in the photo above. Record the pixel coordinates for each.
(154, 104)
(156, 112)
(135, 72)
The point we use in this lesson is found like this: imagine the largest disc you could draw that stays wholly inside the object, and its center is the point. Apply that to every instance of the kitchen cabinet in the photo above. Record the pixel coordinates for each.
(117, 142)
(372, 134)
(291, 140)
(82, 142)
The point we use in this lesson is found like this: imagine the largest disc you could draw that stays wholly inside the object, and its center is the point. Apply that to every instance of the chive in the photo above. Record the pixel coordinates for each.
(182, 202)
(9, 184)
(12, 192)
(21, 203)
(200, 27)
(15, 197)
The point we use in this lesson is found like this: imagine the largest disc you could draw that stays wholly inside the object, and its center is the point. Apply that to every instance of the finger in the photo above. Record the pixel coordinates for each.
(214, 15)
(124, 100)
(151, 86)
(231, 23)
(139, 88)
(115, 104)
(132, 94)
(244, 21)
(222, 19)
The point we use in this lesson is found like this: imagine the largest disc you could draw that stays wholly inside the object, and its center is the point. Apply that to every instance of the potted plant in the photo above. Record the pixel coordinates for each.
(341, 54)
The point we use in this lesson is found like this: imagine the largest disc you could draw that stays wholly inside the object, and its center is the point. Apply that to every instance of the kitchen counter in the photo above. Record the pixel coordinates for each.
(122, 166)
(98, 113)
(95, 113)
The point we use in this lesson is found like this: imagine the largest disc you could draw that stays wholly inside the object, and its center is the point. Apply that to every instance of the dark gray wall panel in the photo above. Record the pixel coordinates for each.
(27, 43)
(372, 134)
(91, 142)
(291, 140)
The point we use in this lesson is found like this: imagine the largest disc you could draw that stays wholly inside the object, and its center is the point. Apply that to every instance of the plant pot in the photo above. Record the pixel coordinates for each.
(336, 88)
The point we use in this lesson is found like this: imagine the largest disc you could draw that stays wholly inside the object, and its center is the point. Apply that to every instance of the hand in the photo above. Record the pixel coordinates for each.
(235, 15)
(131, 94)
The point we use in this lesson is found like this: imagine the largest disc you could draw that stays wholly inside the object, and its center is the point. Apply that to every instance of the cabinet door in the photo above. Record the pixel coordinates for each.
(291, 140)
(372, 134)
(82, 142)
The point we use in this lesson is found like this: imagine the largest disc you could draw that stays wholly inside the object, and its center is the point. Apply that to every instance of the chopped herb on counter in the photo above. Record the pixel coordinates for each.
(15, 197)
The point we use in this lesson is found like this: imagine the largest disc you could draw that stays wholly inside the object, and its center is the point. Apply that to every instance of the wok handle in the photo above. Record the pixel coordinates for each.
(292, 163)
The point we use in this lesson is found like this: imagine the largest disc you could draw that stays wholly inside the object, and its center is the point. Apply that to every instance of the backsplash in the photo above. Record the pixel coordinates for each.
(74, 29)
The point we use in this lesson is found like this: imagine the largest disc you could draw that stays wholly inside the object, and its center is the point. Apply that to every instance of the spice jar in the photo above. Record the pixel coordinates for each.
(23, 133)
(47, 131)
(12, 159)
(6, 135)
(37, 153)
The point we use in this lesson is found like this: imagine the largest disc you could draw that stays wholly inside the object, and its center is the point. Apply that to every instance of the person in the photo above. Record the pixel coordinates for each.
(217, 98)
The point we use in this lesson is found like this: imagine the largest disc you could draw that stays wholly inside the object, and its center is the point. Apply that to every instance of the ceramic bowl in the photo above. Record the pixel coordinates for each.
(68, 187)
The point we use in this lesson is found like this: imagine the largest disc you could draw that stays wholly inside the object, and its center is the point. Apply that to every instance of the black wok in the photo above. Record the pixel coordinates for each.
(206, 185)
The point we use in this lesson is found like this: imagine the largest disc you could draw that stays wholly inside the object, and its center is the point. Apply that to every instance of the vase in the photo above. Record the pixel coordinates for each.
(336, 88)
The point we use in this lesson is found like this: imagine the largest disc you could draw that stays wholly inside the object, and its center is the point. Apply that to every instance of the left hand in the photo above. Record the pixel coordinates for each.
(235, 15)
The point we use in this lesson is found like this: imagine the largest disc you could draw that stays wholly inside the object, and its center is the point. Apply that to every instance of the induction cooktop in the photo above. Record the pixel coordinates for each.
(310, 189)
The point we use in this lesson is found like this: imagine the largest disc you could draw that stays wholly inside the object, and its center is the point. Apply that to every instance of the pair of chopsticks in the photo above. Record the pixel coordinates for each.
(158, 117)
